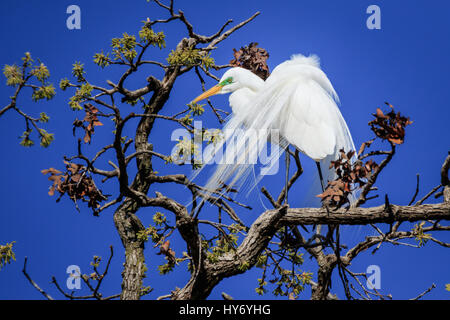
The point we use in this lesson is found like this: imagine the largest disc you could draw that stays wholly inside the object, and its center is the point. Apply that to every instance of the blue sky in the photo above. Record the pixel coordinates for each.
(405, 63)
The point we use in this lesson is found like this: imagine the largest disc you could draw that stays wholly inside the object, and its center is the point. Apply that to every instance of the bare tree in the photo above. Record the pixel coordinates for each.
(273, 242)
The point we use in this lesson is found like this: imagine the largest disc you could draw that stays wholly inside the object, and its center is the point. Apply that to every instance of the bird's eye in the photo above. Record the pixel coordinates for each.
(226, 81)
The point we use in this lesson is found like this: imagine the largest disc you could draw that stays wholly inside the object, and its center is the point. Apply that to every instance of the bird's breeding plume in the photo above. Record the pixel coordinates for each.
(296, 105)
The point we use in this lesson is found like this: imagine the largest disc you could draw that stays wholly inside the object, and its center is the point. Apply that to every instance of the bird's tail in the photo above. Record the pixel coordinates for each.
(344, 142)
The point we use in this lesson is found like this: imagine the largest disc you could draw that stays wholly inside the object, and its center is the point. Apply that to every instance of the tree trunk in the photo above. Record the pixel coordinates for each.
(326, 267)
(128, 225)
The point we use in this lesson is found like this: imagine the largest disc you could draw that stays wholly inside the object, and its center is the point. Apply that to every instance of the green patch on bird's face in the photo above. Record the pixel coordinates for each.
(226, 82)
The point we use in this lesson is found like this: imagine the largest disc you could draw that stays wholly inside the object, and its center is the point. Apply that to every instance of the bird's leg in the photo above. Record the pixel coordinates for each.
(323, 190)
(320, 175)
(286, 183)
(321, 183)
(287, 162)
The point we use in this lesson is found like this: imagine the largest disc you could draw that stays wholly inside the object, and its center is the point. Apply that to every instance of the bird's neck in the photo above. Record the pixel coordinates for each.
(241, 99)
(249, 86)
(252, 82)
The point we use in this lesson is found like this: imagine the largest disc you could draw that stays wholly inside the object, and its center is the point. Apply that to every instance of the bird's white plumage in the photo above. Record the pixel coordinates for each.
(298, 99)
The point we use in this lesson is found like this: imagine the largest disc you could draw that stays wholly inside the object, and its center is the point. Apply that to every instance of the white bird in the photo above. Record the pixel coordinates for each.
(297, 99)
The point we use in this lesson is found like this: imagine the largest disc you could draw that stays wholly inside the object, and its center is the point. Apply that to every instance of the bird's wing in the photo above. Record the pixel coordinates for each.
(307, 120)
(310, 118)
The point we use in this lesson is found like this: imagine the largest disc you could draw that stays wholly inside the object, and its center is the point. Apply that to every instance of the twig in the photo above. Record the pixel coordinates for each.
(425, 292)
(428, 195)
(226, 296)
(417, 191)
(34, 284)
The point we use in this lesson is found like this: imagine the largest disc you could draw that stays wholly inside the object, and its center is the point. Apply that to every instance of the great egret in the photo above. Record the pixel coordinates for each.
(297, 99)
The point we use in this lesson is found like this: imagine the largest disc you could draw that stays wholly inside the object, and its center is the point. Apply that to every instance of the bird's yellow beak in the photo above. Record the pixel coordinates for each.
(214, 90)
